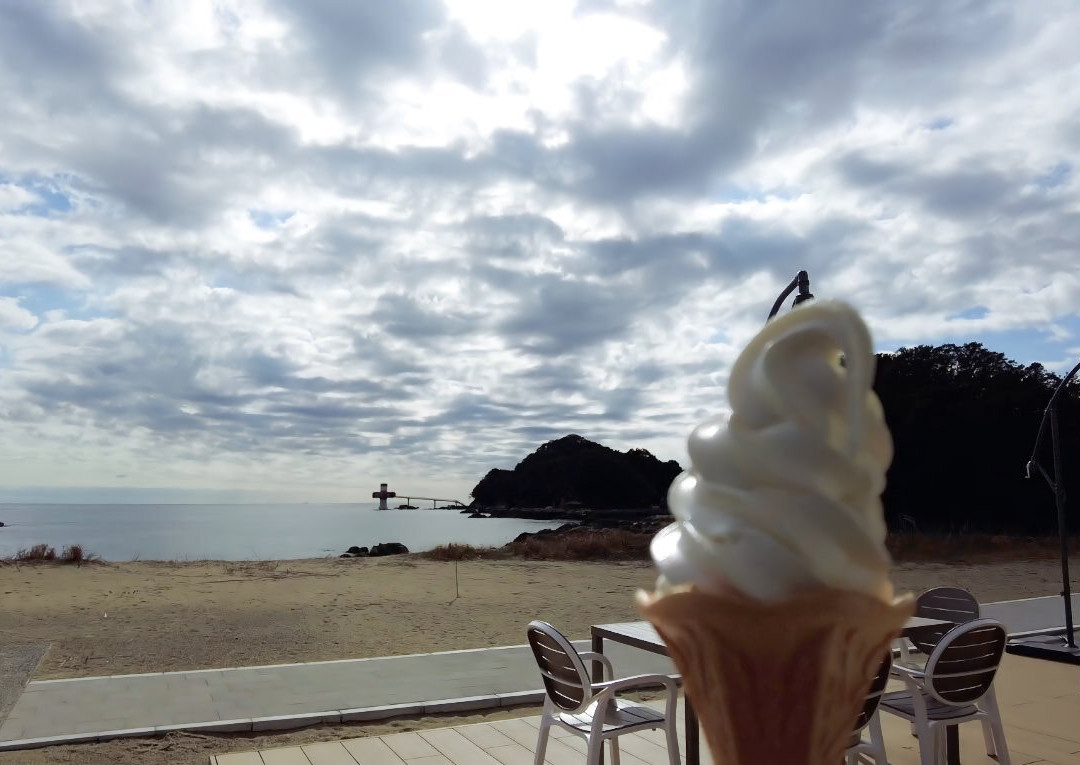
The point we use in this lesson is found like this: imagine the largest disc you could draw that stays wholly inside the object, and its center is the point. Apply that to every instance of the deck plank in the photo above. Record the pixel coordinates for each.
(328, 753)
(484, 736)
(372, 751)
(512, 754)
(409, 746)
(435, 759)
(240, 758)
(290, 755)
(456, 748)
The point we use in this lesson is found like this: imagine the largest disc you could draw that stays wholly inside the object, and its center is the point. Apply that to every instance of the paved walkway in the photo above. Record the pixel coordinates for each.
(285, 696)
(294, 695)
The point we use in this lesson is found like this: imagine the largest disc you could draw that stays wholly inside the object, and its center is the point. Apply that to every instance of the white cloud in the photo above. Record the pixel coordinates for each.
(15, 317)
(310, 246)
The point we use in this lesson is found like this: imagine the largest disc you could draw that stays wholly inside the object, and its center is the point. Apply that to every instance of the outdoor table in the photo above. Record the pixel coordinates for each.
(644, 636)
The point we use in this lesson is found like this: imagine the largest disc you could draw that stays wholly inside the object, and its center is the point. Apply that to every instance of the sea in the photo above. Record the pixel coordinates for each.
(243, 532)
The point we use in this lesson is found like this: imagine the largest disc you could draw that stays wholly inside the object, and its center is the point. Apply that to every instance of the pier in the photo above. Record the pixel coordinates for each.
(383, 494)
(457, 504)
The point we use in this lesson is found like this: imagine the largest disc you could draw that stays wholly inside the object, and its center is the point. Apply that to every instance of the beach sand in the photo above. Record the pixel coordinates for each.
(107, 618)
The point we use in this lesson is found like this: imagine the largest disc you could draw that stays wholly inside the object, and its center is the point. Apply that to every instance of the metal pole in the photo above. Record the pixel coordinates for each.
(1063, 531)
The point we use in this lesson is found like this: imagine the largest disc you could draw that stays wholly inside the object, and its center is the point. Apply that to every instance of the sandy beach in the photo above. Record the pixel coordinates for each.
(107, 618)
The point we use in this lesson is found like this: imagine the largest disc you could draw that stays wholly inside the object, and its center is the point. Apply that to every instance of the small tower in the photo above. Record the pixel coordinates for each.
(382, 494)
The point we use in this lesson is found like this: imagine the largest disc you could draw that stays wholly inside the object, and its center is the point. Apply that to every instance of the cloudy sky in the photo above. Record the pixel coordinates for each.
(289, 249)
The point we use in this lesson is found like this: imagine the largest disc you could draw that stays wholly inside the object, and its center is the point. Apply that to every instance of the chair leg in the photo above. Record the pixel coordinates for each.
(671, 732)
(541, 743)
(997, 730)
(931, 752)
(595, 750)
(988, 738)
(877, 741)
(614, 744)
(1001, 749)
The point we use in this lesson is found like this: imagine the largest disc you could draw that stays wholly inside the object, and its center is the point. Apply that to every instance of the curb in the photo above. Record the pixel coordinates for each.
(291, 722)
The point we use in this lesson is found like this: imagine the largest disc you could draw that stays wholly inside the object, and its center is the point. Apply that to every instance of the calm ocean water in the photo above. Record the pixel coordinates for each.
(243, 532)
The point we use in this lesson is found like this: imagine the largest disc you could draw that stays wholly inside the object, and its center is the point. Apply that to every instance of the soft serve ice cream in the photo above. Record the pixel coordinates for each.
(783, 495)
(774, 578)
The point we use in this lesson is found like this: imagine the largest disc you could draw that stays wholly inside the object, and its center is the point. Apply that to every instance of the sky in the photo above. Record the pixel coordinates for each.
(256, 251)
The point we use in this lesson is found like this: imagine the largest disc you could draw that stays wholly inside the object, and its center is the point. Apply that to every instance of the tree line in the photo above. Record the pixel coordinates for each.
(964, 421)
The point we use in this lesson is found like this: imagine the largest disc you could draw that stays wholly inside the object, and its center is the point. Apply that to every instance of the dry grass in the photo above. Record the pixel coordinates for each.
(579, 544)
(916, 548)
(585, 544)
(72, 554)
(456, 551)
(251, 567)
(36, 554)
(619, 544)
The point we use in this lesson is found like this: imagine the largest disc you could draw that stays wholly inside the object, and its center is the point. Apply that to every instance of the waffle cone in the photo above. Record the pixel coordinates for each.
(776, 682)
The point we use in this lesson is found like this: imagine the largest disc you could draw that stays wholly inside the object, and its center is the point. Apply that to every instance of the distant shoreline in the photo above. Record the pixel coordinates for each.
(606, 544)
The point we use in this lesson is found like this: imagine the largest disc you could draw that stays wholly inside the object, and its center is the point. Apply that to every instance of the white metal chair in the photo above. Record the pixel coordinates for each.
(957, 686)
(950, 604)
(858, 748)
(592, 710)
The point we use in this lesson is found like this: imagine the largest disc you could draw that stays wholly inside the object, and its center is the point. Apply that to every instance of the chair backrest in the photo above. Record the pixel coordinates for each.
(565, 678)
(950, 604)
(873, 696)
(961, 668)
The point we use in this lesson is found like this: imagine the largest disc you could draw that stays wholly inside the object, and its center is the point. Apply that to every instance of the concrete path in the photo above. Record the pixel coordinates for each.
(285, 696)
(293, 695)
(1032, 614)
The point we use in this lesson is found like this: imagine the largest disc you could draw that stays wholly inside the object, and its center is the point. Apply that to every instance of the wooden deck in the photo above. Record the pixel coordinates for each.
(1040, 705)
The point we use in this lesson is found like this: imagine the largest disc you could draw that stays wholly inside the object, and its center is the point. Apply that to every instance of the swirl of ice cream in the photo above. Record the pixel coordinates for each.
(783, 495)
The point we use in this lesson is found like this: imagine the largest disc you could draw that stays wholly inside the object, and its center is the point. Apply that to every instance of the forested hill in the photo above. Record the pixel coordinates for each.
(963, 420)
(575, 471)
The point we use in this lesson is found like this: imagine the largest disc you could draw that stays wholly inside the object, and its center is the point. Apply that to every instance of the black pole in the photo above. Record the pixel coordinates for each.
(1063, 531)
(1057, 485)
(802, 281)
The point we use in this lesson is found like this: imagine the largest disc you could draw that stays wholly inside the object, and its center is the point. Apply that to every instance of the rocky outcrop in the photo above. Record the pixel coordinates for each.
(388, 548)
(574, 477)
(376, 551)
(646, 526)
(478, 515)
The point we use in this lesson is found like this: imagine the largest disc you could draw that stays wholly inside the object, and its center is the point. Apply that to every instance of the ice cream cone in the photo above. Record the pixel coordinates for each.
(776, 683)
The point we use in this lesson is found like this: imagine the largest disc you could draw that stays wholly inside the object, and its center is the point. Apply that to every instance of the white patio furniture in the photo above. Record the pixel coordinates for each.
(949, 604)
(593, 710)
(858, 748)
(956, 686)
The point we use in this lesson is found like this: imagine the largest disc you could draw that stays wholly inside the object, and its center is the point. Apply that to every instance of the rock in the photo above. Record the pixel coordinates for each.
(566, 528)
(346, 555)
(570, 474)
(388, 548)
(1, 524)
(478, 515)
(407, 507)
(358, 552)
